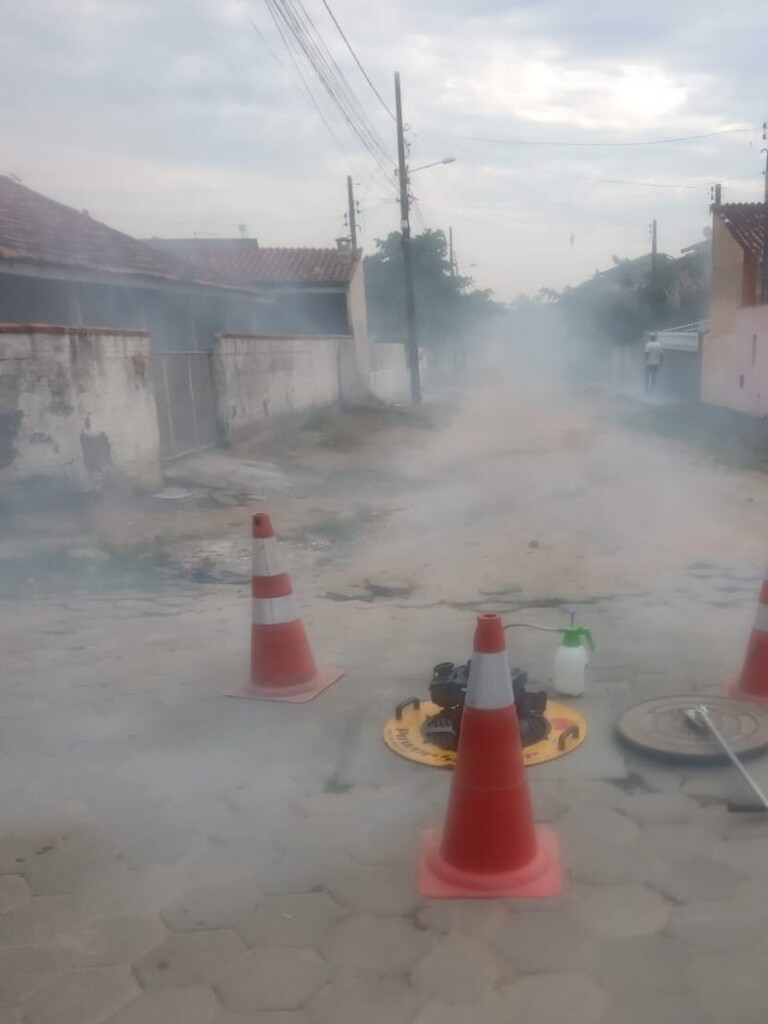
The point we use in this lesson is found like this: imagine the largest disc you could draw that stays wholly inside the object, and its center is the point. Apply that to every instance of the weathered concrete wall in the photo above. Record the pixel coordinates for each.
(735, 365)
(390, 380)
(76, 405)
(256, 377)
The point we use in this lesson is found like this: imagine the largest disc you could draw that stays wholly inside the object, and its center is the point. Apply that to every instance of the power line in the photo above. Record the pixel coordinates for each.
(357, 61)
(304, 84)
(538, 142)
(293, 16)
(255, 26)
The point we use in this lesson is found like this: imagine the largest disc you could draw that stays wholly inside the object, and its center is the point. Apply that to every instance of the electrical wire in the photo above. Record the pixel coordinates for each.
(537, 142)
(299, 23)
(303, 83)
(255, 26)
(357, 61)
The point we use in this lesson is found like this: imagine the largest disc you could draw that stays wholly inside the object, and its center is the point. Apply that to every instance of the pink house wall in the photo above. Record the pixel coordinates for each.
(735, 366)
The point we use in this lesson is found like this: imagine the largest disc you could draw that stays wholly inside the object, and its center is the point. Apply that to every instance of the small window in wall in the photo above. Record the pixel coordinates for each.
(754, 349)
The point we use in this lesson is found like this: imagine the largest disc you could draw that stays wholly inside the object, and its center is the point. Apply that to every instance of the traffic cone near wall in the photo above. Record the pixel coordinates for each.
(752, 684)
(282, 665)
(489, 845)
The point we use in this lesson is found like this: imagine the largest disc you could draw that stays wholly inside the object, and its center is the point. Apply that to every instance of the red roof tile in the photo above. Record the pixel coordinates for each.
(36, 229)
(746, 222)
(241, 262)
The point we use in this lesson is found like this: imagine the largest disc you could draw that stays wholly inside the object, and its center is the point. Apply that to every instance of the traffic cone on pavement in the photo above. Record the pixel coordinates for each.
(282, 665)
(752, 684)
(489, 845)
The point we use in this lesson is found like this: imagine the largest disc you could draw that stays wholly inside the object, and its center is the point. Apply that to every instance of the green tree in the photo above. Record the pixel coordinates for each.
(447, 307)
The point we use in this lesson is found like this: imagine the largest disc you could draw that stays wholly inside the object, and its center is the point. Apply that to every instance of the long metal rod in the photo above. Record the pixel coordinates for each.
(700, 716)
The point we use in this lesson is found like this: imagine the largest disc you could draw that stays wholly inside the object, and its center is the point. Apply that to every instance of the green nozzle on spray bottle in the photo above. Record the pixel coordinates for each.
(572, 660)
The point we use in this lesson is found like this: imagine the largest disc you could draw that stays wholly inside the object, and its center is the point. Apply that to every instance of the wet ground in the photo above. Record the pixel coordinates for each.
(169, 855)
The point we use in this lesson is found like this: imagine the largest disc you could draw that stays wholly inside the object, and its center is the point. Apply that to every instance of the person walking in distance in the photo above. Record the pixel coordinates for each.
(654, 358)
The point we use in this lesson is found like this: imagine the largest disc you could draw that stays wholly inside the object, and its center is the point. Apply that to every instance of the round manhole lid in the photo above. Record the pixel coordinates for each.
(660, 727)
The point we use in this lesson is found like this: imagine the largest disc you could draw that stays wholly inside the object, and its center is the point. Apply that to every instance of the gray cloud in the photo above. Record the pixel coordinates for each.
(168, 116)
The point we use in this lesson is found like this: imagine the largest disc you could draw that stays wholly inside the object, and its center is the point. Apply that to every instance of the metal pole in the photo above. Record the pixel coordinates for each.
(653, 253)
(405, 239)
(699, 715)
(764, 281)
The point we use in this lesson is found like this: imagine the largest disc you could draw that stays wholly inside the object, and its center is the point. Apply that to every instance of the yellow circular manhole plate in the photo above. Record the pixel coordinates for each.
(403, 736)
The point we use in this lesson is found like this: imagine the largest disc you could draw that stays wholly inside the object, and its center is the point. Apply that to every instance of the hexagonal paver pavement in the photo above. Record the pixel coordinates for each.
(189, 958)
(13, 892)
(298, 919)
(494, 1009)
(111, 941)
(661, 808)
(595, 823)
(272, 979)
(373, 947)
(87, 996)
(24, 968)
(637, 966)
(376, 889)
(459, 969)
(483, 918)
(544, 940)
(730, 987)
(262, 1017)
(372, 1001)
(609, 863)
(192, 1005)
(656, 1007)
(723, 926)
(545, 998)
(302, 871)
(688, 881)
(212, 906)
(621, 911)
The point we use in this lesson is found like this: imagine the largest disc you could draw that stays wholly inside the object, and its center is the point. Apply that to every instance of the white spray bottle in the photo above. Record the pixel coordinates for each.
(572, 660)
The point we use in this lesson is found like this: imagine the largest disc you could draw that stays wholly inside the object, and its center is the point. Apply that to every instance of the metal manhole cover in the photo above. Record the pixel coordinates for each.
(660, 727)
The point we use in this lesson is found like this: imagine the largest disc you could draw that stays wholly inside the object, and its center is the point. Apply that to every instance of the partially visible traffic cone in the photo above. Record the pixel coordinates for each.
(282, 665)
(752, 684)
(489, 845)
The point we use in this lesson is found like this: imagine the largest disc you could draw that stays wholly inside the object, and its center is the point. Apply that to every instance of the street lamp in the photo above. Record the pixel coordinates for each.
(435, 163)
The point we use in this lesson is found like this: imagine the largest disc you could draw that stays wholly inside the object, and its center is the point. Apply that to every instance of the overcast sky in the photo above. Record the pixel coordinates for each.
(175, 117)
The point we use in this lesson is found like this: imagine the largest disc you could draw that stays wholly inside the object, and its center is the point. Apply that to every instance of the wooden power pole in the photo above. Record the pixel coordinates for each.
(352, 214)
(405, 240)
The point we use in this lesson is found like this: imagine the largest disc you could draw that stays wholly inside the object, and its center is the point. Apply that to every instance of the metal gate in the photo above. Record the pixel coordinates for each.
(186, 411)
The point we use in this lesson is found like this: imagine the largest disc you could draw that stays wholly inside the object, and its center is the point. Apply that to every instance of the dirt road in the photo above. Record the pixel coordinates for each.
(168, 854)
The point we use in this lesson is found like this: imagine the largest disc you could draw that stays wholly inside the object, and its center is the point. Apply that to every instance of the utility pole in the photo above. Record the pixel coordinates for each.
(352, 220)
(405, 240)
(450, 252)
(764, 280)
(653, 253)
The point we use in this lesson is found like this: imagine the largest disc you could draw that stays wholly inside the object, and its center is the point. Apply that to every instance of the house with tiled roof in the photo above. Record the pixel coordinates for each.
(735, 352)
(234, 333)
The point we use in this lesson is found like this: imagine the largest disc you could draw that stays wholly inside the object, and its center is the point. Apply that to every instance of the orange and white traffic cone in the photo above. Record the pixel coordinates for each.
(752, 684)
(282, 665)
(489, 845)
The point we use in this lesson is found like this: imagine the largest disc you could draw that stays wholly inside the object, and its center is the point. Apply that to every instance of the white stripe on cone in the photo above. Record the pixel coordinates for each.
(761, 622)
(266, 557)
(490, 682)
(268, 611)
